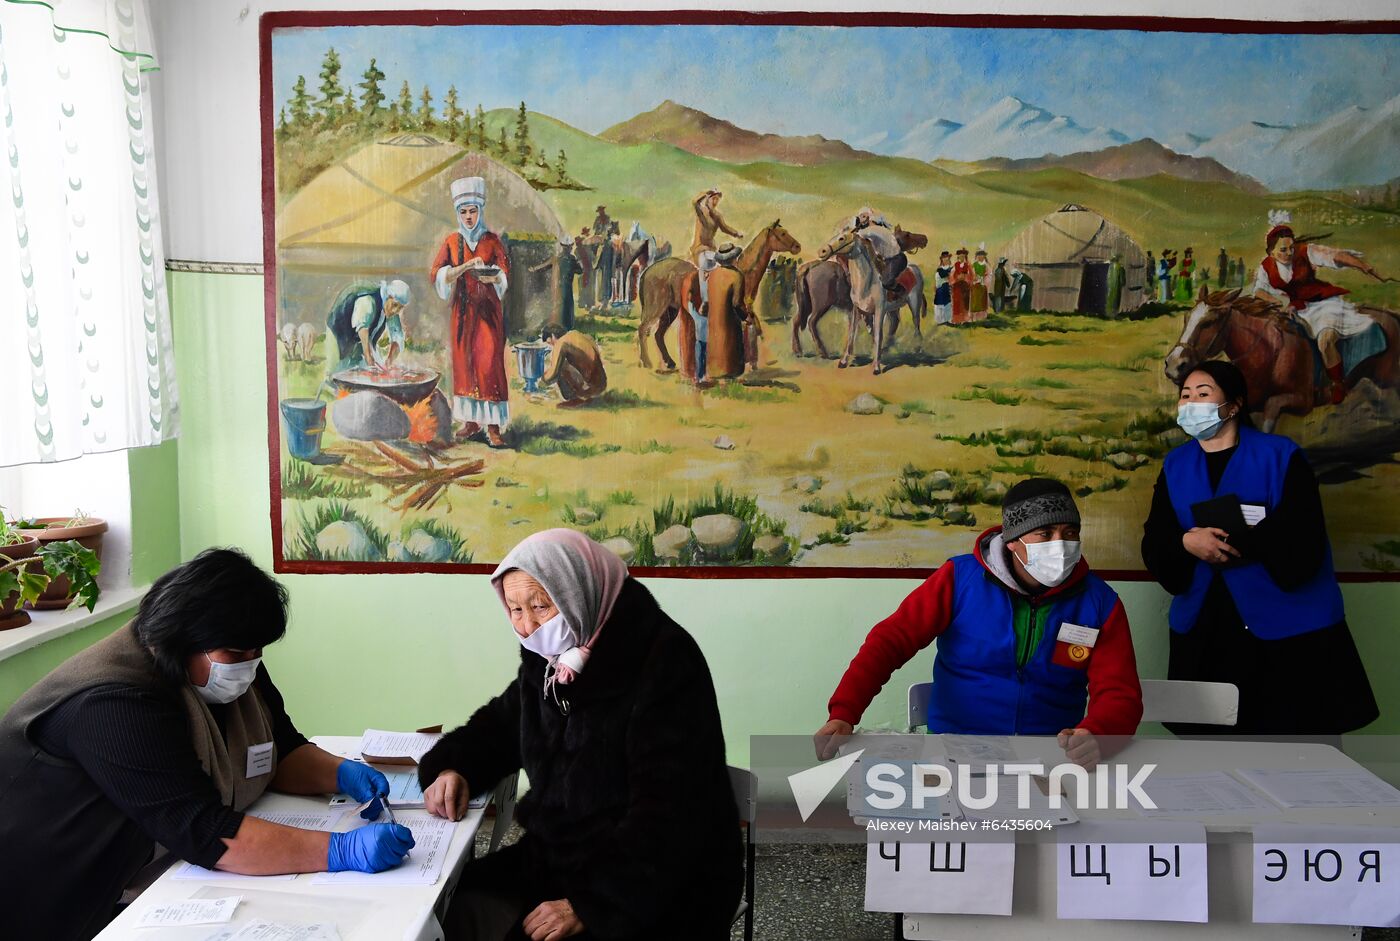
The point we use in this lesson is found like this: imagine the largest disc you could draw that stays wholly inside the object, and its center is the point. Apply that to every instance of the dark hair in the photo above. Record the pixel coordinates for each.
(552, 331)
(1231, 382)
(1276, 233)
(217, 599)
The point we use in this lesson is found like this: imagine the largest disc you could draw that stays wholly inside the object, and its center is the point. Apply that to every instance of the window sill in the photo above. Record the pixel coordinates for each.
(47, 625)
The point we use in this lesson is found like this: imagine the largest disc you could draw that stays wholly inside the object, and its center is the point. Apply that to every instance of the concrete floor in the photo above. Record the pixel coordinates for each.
(815, 892)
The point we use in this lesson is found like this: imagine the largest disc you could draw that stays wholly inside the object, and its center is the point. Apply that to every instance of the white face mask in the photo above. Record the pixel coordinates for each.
(1200, 420)
(1051, 562)
(550, 639)
(228, 681)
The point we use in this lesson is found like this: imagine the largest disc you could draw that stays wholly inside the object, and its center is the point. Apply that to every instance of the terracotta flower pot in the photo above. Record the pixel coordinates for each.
(11, 614)
(88, 535)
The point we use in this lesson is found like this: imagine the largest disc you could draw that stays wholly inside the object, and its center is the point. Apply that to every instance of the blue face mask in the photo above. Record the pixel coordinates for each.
(1200, 420)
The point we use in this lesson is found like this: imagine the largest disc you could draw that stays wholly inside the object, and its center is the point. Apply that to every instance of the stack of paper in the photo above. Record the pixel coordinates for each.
(1207, 793)
(431, 838)
(396, 748)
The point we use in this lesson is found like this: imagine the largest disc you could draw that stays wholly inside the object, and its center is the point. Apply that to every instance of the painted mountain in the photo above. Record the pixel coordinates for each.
(1133, 161)
(1355, 146)
(1010, 128)
(699, 133)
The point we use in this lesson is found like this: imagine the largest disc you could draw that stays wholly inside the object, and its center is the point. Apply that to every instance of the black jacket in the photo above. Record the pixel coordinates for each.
(630, 812)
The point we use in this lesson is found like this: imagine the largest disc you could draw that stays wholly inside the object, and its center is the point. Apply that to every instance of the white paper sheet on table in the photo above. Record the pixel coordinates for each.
(941, 877)
(276, 931)
(1328, 787)
(431, 836)
(1206, 793)
(978, 750)
(1325, 875)
(1138, 870)
(384, 744)
(1008, 803)
(189, 912)
(312, 820)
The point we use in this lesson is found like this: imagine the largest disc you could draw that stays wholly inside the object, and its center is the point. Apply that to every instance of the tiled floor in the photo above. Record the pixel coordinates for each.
(811, 892)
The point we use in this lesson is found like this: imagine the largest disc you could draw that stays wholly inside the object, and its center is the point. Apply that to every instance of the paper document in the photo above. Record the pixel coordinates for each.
(1253, 513)
(189, 912)
(1335, 787)
(1010, 804)
(276, 931)
(431, 838)
(305, 820)
(390, 747)
(1206, 793)
(978, 750)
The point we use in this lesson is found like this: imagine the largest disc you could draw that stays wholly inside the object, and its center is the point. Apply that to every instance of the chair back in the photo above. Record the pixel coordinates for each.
(1190, 701)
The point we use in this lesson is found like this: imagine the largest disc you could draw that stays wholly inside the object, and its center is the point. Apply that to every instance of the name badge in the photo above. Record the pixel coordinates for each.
(1074, 634)
(259, 759)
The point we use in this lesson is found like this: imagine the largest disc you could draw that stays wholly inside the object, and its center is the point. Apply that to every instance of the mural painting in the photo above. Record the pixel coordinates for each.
(807, 305)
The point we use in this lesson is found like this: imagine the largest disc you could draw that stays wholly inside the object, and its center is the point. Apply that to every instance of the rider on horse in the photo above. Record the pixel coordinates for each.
(1288, 277)
(873, 226)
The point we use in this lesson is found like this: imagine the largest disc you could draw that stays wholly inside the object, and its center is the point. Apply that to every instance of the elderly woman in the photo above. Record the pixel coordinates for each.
(164, 733)
(1259, 606)
(631, 827)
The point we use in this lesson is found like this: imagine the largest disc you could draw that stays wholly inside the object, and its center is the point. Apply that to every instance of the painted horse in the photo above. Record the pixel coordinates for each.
(869, 300)
(1273, 350)
(664, 287)
(824, 284)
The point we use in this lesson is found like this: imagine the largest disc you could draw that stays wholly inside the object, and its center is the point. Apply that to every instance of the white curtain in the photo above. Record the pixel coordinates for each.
(86, 363)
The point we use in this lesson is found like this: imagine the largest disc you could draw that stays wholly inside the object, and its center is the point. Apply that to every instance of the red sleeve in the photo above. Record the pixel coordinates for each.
(893, 642)
(1115, 695)
(442, 259)
(499, 258)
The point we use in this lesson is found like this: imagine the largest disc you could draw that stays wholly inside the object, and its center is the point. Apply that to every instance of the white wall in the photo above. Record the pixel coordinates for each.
(207, 90)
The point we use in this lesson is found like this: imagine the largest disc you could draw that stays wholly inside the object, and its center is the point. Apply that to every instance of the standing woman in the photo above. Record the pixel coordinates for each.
(1262, 609)
(631, 831)
(478, 337)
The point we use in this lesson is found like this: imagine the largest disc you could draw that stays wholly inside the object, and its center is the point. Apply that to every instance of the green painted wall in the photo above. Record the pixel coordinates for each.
(399, 651)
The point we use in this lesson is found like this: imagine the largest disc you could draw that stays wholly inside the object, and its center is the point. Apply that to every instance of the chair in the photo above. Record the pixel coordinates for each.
(745, 786)
(919, 694)
(1190, 701)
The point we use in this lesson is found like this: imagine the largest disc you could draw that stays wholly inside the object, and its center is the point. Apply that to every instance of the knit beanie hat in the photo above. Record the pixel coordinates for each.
(1036, 502)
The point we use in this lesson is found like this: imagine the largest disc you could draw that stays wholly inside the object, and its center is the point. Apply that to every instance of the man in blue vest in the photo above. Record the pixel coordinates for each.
(1026, 635)
(360, 316)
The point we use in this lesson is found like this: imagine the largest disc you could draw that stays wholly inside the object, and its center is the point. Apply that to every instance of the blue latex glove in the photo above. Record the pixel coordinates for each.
(362, 783)
(371, 848)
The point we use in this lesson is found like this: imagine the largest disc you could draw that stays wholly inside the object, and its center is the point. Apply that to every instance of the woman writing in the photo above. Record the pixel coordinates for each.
(164, 733)
(1260, 607)
(631, 827)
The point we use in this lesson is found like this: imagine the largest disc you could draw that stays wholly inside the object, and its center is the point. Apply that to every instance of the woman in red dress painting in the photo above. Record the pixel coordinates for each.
(478, 336)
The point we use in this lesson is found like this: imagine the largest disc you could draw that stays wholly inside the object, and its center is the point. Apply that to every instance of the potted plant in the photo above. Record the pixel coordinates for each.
(22, 582)
(85, 530)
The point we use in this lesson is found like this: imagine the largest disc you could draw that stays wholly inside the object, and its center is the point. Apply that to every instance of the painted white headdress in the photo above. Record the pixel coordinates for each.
(468, 189)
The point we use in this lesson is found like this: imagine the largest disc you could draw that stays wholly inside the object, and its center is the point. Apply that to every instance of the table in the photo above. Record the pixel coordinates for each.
(360, 913)
(1229, 852)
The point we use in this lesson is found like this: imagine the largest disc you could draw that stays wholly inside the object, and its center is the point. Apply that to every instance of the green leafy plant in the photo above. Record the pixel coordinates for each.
(62, 558)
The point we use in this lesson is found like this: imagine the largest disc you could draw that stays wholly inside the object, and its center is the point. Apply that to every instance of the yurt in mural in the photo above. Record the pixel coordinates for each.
(1070, 256)
(381, 212)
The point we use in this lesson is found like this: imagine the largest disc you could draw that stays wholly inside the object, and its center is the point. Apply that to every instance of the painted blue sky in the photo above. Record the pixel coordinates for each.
(860, 84)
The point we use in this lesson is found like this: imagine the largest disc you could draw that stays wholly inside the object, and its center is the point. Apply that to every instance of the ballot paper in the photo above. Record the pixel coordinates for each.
(404, 791)
(431, 837)
(979, 750)
(260, 930)
(1203, 794)
(383, 747)
(304, 820)
(1327, 787)
(189, 912)
(1011, 804)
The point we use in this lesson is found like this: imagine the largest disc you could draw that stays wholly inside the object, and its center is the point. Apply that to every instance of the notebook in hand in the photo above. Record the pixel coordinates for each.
(1223, 512)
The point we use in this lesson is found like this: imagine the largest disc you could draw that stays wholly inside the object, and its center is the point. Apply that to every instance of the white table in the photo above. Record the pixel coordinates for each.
(1229, 852)
(360, 913)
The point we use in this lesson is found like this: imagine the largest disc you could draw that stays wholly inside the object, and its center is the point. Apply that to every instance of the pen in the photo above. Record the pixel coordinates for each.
(388, 811)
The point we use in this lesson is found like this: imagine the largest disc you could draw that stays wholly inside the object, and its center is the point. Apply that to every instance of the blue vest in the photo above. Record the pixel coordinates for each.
(977, 687)
(1255, 474)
